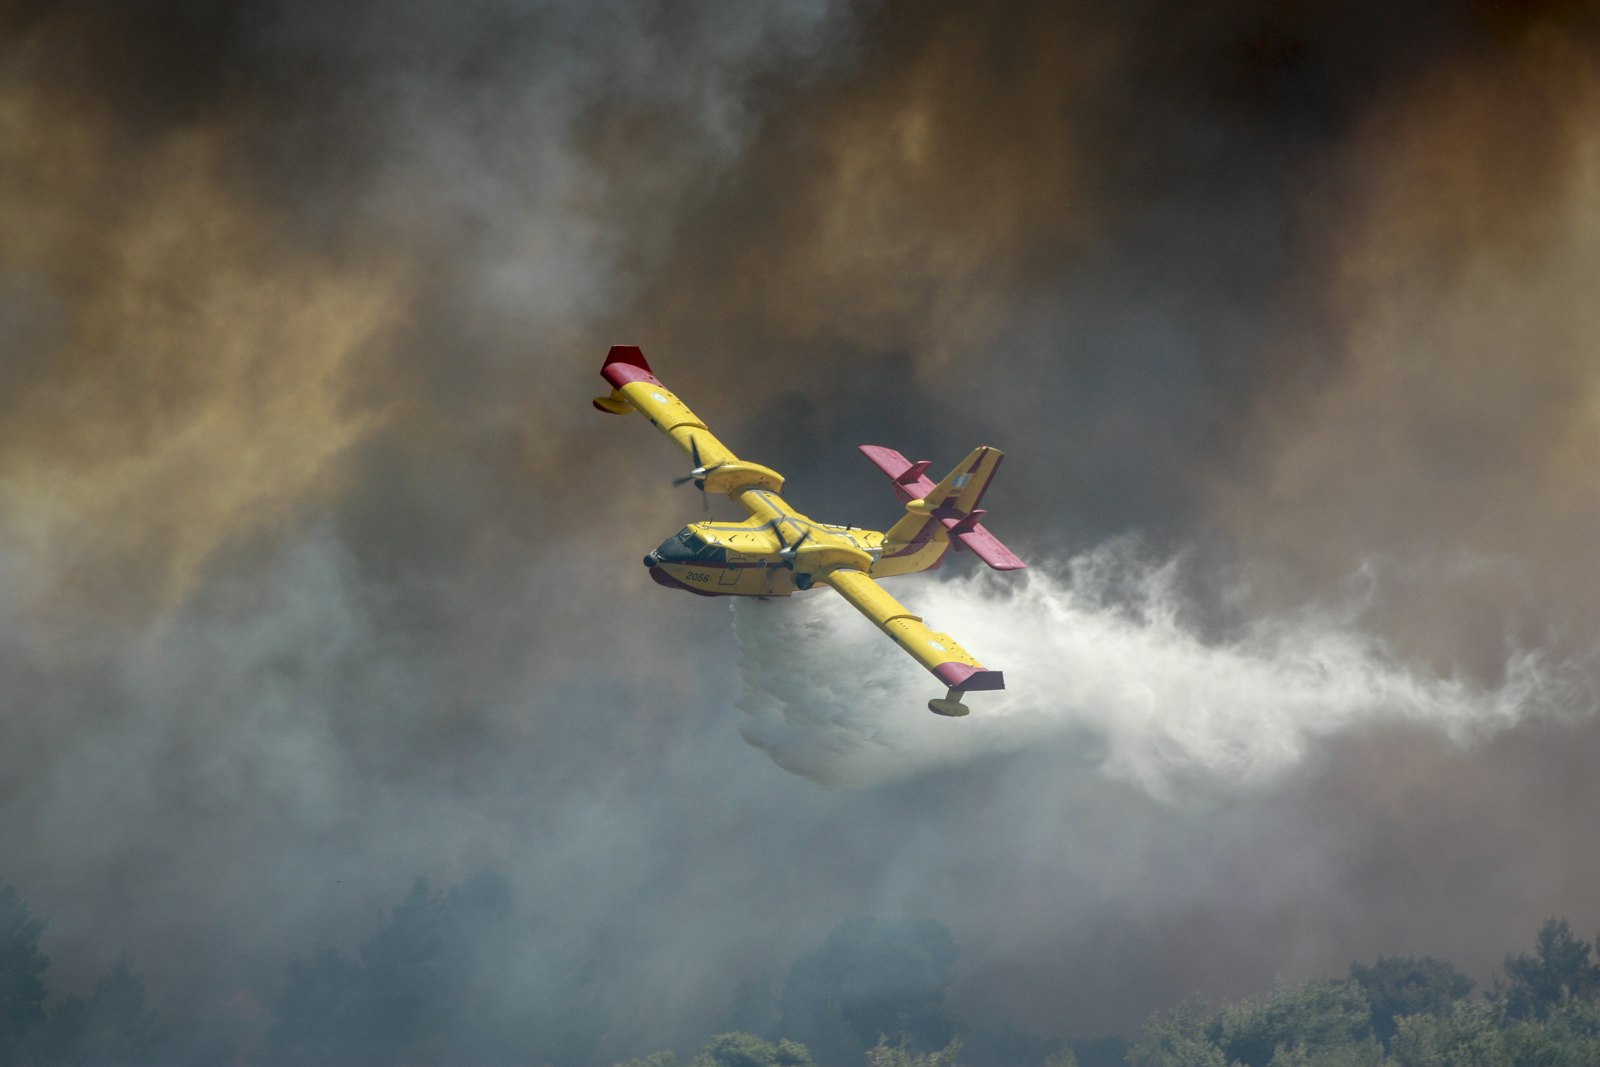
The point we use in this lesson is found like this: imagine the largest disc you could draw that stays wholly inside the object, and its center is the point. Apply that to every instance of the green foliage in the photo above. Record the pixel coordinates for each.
(1318, 1018)
(871, 979)
(1558, 969)
(884, 1054)
(1319, 1024)
(1365, 1053)
(1568, 1036)
(748, 1050)
(1467, 1035)
(1181, 1037)
(22, 967)
(655, 1059)
(1398, 986)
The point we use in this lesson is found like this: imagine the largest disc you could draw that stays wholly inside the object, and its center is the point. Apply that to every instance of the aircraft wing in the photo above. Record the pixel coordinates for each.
(634, 387)
(937, 652)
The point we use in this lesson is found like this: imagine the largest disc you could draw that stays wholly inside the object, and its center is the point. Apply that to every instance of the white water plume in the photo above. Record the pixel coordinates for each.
(1099, 663)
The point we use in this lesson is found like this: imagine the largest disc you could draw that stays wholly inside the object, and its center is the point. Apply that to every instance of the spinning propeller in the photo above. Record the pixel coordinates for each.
(698, 475)
(787, 552)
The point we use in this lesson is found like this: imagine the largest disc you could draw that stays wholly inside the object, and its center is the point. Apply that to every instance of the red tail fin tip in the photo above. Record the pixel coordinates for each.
(624, 364)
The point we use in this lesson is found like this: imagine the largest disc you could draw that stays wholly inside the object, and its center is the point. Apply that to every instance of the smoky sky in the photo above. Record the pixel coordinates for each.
(317, 570)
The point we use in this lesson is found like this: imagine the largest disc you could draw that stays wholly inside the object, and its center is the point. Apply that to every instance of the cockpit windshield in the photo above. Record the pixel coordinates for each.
(690, 547)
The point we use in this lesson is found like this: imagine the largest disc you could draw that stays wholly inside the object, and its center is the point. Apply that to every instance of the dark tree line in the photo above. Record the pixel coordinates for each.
(453, 977)
(109, 1026)
(875, 992)
(1401, 1012)
(446, 978)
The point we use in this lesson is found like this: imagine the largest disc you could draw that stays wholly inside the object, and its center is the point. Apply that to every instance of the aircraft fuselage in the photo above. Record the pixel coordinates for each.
(755, 558)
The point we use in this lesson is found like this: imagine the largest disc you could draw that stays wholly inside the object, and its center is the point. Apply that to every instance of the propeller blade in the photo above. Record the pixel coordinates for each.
(787, 552)
(699, 470)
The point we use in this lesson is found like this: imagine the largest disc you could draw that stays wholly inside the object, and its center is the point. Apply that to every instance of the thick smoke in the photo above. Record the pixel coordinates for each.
(1105, 665)
(317, 571)
(1455, 435)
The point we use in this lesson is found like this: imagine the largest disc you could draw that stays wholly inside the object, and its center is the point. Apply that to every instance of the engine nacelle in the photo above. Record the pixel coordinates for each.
(814, 559)
(739, 475)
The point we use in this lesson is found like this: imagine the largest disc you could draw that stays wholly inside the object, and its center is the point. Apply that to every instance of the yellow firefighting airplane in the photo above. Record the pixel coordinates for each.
(777, 550)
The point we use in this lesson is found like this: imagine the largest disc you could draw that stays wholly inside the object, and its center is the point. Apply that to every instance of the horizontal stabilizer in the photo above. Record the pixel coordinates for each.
(966, 530)
(910, 480)
(986, 546)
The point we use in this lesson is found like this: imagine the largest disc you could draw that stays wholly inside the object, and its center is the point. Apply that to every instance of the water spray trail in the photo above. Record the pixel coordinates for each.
(1100, 663)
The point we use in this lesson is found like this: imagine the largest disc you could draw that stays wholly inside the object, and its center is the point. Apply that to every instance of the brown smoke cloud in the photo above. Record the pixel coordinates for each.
(177, 372)
(1453, 441)
(907, 207)
(321, 572)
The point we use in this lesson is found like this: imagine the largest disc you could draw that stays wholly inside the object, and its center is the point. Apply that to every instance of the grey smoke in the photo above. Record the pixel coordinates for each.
(318, 571)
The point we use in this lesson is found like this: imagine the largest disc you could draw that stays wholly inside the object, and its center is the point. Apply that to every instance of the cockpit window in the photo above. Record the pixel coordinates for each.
(690, 547)
(708, 552)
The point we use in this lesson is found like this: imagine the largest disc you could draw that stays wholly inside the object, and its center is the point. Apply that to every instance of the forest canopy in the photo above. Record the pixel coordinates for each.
(448, 978)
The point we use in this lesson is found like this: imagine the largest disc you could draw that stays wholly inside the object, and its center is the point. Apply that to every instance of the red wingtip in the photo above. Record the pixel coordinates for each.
(986, 547)
(962, 678)
(624, 364)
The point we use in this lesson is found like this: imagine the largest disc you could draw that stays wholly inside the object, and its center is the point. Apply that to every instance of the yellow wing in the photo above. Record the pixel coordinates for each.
(634, 387)
(939, 653)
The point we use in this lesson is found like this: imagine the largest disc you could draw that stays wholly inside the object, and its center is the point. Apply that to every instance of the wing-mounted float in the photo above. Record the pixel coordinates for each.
(777, 550)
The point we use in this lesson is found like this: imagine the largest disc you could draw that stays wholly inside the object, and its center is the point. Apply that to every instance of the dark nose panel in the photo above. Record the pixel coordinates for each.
(661, 577)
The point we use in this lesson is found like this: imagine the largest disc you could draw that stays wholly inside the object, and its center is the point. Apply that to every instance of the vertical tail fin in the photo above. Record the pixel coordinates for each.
(962, 488)
(942, 512)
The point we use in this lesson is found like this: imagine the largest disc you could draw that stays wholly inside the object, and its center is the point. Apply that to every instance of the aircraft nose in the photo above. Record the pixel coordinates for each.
(650, 560)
